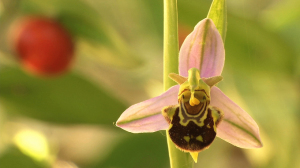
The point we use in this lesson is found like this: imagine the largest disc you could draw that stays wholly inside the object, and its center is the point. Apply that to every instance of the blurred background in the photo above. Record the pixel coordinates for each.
(67, 121)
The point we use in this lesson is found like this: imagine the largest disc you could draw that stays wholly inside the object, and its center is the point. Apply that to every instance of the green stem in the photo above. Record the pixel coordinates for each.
(178, 159)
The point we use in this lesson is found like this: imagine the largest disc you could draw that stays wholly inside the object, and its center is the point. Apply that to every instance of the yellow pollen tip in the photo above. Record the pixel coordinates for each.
(194, 101)
(194, 156)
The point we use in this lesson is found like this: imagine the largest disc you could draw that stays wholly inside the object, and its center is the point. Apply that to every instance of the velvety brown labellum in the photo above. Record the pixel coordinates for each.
(192, 138)
(192, 133)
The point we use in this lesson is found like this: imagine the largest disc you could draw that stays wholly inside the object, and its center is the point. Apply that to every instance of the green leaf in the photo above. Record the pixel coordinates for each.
(67, 99)
(218, 13)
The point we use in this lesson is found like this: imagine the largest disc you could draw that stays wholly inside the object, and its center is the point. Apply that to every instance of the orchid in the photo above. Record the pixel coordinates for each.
(195, 100)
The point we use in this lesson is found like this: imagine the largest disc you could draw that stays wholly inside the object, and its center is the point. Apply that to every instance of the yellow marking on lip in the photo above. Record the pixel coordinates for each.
(187, 138)
(199, 123)
(199, 138)
(193, 118)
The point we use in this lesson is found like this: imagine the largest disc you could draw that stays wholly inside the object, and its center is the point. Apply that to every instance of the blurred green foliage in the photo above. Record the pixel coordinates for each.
(14, 158)
(119, 62)
(67, 100)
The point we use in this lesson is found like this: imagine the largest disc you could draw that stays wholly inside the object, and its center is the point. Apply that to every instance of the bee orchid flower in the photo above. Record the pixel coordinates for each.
(195, 111)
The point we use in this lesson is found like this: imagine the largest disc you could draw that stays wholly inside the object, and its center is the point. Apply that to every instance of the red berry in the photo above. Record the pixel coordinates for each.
(43, 46)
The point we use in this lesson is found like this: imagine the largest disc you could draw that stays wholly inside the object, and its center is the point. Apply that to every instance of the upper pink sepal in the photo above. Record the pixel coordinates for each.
(237, 126)
(146, 116)
(203, 49)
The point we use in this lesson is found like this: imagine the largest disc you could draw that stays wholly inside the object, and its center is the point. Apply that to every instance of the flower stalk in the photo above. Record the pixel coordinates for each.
(178, 159)
(171, 46)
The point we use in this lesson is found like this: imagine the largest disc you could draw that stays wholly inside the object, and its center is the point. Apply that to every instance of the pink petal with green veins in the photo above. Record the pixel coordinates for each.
(237, 126)
(202, 49)
(146, 116)
(148, 124)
